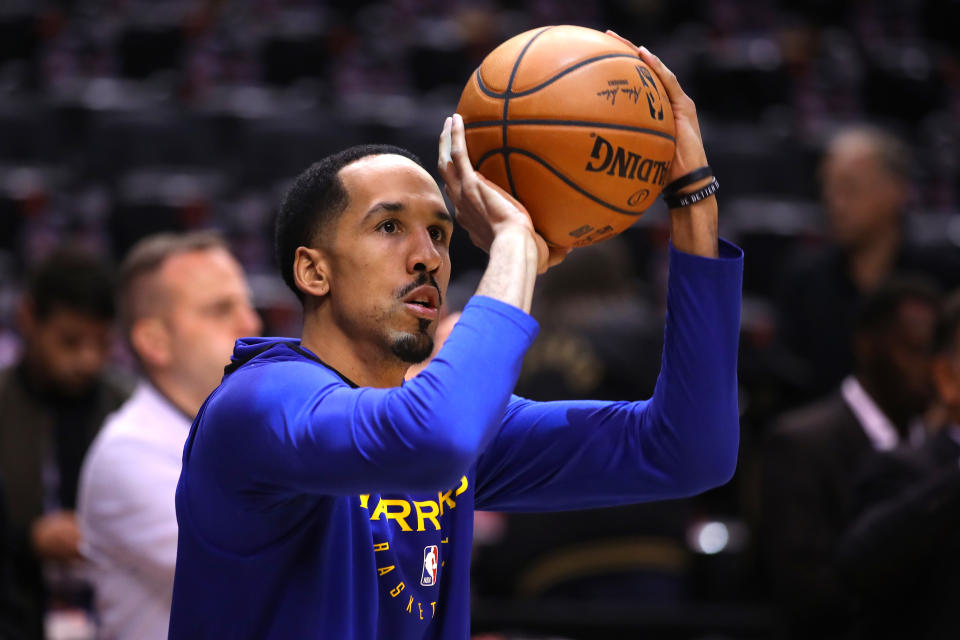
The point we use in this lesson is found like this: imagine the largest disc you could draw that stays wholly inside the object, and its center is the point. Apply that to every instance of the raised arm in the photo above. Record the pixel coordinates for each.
(685, 438)
(295, 426)
(577, 454)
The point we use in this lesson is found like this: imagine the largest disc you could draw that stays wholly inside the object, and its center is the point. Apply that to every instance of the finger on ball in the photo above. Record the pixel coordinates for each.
(667, 77)
(445, 141)
(459, 148)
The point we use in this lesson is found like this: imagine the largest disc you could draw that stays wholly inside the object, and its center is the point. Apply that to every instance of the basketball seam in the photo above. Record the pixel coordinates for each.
(569, 123)
(572, 69)
(506, 106)
(484, 88)
(570, 183)
(548, 82)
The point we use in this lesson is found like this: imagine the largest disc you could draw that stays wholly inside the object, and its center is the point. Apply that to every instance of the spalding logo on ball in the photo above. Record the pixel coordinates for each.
(575, 126)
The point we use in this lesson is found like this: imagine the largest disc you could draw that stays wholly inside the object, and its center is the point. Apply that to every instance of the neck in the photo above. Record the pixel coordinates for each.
(896, 415)
(871, 261)
(363, 362)
(183, 400)
(33, 373)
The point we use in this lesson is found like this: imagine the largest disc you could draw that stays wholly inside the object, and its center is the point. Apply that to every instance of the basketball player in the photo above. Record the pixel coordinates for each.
(315, 481)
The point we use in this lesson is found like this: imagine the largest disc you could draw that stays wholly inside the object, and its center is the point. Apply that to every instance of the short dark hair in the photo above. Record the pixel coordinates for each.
(878, 309)
(892, 152)
(948, 327)
(317, 198)
(71, 280)
(146, 257)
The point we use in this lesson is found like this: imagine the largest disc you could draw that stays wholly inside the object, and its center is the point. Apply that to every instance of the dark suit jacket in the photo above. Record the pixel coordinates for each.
(808, 467)
(31, 428)
(11, 617)
(902, 553)
(817, 304)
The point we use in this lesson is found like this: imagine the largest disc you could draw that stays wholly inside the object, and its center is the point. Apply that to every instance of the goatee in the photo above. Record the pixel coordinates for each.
(416, 347)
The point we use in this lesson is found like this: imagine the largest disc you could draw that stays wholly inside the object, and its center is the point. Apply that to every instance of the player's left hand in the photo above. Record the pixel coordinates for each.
(482, 207)
(689, 154)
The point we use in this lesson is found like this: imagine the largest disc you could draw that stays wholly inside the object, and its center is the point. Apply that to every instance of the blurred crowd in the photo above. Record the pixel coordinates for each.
(145, 144)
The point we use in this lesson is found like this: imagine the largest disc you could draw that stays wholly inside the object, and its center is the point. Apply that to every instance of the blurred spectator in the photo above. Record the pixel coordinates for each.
(866, 186)
(184, 301)
(10, 616)
(811, 458)
(54, 401)
(902, 553)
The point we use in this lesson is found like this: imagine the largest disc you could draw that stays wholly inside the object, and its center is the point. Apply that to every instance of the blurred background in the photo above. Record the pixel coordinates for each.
(121, 118)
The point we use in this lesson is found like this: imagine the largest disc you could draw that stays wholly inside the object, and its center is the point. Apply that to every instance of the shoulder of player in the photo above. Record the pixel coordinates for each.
(282, 360)
(266, 389)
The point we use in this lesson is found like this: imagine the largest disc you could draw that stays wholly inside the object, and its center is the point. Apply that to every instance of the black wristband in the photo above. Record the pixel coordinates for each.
(687, 180)
(687, 199)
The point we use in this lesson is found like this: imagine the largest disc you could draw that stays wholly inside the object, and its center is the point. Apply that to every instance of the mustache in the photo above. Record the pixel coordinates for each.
(422, 279)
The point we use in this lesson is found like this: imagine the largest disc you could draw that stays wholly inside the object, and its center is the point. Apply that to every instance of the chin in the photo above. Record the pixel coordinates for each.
(413, 348)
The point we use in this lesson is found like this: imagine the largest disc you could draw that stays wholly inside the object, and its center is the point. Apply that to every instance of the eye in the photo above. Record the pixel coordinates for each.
(437, 234)
(389, 226)
(221, 309)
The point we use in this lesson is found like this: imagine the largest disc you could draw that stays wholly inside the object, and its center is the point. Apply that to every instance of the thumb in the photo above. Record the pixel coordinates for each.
(543, 252)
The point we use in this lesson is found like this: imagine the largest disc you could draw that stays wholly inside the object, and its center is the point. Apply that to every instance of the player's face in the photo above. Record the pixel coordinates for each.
(207, 308)
(390, 258)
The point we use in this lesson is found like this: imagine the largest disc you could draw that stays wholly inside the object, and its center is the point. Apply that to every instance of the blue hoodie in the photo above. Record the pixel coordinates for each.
(311, 508)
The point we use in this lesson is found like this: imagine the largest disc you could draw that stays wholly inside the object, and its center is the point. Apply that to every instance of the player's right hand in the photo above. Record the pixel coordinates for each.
(483, 208)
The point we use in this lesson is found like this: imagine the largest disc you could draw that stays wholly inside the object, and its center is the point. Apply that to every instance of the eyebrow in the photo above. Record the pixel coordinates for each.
(441, 214)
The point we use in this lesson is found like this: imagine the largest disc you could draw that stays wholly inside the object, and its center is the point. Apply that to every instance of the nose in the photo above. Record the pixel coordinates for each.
(424, 254)
(90, 358)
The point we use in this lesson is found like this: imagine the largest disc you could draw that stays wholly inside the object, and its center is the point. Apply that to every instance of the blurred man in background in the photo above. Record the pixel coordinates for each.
(184, 301)
(866, 181)
(813, 454)
(902, 553)
(10, 615)
(53, 401)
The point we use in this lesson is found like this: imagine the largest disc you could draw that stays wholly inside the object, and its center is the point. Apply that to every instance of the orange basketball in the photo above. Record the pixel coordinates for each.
(572, 123)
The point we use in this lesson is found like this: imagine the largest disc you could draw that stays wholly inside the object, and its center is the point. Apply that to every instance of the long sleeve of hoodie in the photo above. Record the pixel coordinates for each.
(683, 440)
(290, 424)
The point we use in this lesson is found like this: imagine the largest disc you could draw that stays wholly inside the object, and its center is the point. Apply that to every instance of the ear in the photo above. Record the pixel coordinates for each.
(311, 272)
(151, 342)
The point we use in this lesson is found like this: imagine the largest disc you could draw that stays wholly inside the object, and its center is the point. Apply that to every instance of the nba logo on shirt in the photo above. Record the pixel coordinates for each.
(428, 577)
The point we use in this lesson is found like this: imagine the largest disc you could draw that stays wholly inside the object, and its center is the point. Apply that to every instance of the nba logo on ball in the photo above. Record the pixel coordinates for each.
(428, 577)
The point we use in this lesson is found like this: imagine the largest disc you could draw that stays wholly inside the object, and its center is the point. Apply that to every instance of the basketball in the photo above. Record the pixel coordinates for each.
(575, 126)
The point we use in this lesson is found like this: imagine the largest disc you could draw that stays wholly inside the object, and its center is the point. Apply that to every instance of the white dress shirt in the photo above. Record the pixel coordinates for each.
(127, 516)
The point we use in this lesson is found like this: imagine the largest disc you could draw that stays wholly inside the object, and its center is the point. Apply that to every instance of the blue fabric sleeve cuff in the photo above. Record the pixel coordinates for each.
(726, 250)
(730, 258)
